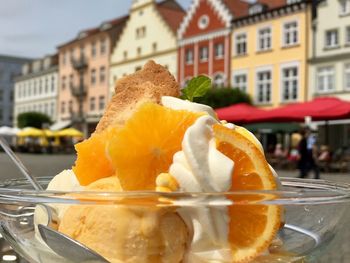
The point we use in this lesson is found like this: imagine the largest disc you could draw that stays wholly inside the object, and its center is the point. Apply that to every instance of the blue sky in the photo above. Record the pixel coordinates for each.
(33, 28)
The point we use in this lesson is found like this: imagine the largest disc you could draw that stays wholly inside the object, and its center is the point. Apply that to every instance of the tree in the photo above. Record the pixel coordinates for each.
(223, 97)
(32, 119)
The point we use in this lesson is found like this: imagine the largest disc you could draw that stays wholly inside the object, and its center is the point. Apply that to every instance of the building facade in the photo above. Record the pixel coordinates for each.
(204, 40)
(329, 64)
(270, 52)
(36, 88)
(150, 33)
(83, 75)
(10, 67)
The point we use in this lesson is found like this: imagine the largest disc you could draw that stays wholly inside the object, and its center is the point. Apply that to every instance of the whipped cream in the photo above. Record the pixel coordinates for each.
(200, 167)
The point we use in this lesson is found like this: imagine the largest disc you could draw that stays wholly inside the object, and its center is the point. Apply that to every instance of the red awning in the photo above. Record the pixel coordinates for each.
(239, 113)
(326, 108)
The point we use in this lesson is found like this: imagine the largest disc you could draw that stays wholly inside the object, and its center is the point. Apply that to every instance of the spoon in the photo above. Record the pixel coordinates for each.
(58, 242)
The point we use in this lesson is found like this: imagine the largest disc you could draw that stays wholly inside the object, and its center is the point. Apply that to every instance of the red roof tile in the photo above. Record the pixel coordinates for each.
(238, 8)
(171, 12)
(273, 3)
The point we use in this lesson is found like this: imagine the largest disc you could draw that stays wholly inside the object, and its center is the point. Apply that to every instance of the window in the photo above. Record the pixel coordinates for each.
(219, 80)
(82, 50)
(140, 32)
(71, 80)
(290, 83)
(93, 76)
(189, 56)
(103, 46)
(92, 104)
(52, 84)
(240, 82)
(332, 38)
(264, 39)
(154, 47)
(203, 54)
(203, 22)
(1, 94)
(289, 2)
(101, 103)
(102, 74)
(46, 85)
(125, 54)
(290, 33)
(70, 106)
(219, 50)
(255, 9)
(347, 76)
(93, 49)
(52, 108)
(63, 107)
(325, 79)
(63, 82)
(264, 86)
(241, 44)
(139, 51)
(64, 58)
(344, 7)
(40, 87)
(347, 35)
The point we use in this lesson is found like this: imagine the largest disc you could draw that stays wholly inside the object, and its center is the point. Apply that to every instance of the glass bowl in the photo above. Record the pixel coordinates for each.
(314, 214)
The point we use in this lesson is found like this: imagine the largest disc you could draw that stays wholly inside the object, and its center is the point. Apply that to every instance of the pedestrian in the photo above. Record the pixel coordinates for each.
(306, 148)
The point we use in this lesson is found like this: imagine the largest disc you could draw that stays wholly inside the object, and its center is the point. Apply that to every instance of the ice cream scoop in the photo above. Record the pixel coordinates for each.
(123, 234)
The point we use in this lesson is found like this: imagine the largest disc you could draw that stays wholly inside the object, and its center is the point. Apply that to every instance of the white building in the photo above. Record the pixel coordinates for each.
(36, 88)
(330, 51)
(150, 33)
(329, 65)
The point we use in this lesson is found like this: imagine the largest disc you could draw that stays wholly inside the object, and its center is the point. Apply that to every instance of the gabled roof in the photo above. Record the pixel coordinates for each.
(228, 10)
(95, 30)
(171, 12)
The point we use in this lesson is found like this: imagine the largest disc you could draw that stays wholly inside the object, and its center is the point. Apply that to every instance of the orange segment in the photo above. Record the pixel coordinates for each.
(145, 146)
(92, 162)
(252, 227)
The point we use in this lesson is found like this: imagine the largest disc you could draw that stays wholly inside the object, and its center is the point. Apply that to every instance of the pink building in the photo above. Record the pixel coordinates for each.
(84, 74)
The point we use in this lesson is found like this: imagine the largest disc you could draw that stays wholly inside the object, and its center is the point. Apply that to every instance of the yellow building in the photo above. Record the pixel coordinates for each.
(270, 52)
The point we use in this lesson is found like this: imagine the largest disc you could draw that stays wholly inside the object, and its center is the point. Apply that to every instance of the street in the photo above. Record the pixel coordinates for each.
(49, 165)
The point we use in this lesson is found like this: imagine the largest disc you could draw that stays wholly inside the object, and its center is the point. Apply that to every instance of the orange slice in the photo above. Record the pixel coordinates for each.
(252, 227)
(144, 147)
(92, 162)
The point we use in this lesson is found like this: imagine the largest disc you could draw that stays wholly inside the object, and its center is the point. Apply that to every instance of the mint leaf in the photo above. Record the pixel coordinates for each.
(197, 87)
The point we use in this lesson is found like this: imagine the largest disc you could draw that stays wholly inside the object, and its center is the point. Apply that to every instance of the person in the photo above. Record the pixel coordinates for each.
(325, 154)
(279, 153)
(306, 148)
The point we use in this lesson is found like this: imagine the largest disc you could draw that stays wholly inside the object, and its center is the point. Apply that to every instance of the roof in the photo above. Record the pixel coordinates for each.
(95, 30)
(238, 8)
(171, 12)
(273, 3)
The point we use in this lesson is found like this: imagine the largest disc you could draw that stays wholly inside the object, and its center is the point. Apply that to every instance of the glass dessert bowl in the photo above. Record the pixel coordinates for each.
(314, 213)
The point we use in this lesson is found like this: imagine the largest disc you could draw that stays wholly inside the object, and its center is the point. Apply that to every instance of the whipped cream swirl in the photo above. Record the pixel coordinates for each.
(200, 167)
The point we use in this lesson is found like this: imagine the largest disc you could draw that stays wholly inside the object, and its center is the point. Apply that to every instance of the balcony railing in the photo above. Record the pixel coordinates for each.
(79, 91)
(80, 63)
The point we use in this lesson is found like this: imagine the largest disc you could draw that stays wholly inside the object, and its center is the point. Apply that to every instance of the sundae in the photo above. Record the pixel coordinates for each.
(151, 140)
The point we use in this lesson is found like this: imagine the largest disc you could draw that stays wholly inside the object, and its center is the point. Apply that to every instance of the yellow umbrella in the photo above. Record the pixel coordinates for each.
(49, 133)
(70, 132)
(30, 132)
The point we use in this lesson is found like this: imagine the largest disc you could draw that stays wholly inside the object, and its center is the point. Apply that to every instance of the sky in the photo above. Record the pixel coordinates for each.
(34, 28)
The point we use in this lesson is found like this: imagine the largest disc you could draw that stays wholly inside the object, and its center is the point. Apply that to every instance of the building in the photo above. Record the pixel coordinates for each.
(36, 88)
(329, 64)
(270, 51)
(10, 67)
(150, 33)
(204, 38)
(84, 73)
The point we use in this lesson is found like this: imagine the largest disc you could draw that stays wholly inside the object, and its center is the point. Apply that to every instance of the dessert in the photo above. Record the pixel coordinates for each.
(150, 140)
